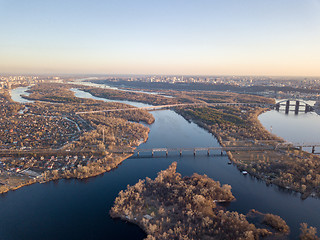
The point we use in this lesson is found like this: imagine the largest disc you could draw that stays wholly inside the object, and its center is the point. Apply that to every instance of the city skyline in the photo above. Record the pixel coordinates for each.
(277, 38)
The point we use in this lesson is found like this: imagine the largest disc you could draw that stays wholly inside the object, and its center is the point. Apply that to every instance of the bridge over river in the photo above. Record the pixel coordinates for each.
(299, 106)
(222, 149)
(231, 146)
(287, 103)
(160, 107)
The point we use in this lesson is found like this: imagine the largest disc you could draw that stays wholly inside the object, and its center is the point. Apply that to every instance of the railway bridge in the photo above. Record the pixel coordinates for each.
(169, 106)
(299, 106)
(219, 150)
(222, 149)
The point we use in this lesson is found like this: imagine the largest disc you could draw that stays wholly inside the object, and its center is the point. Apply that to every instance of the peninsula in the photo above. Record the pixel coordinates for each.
(46, 140)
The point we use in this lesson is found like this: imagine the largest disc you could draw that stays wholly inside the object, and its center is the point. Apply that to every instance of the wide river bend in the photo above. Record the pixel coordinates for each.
(74, 209)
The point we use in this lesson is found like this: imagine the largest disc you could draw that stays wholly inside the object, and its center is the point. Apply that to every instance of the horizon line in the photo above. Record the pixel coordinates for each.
(154, 74)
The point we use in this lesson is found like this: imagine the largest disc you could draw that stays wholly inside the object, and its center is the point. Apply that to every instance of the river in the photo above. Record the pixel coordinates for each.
(16, 94)
(74, 209)
(121, 88)
(301, 128)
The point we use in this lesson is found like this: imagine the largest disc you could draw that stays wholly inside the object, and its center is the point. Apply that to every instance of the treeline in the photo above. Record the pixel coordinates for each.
(229, 123)
(227, 97)
(214, 115)
(131, 96)
(180, 96)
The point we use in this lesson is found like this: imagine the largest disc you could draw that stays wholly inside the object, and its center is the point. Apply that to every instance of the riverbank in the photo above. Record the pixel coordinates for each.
(103, 165)
(287, 168)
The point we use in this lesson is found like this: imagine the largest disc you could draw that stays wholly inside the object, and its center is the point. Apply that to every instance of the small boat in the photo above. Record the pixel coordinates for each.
(244, 172)
(229, 162)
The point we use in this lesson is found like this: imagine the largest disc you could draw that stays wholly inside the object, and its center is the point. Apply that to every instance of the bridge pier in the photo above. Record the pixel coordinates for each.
(138, 153)
(194, 152)
(287, 106)
(313, 149)
(208, 153)
(307, 109)
(221, 153)
(278, 107)
(296, 111)
(152, 153)
(180, 152)
(167, 153)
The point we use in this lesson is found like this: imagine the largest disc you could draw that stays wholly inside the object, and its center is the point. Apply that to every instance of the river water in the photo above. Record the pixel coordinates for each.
(301, 128)
(73, 209)
(91, 84)
(16, 94)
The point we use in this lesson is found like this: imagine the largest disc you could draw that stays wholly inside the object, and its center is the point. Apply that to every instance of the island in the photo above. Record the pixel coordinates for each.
(175, 207)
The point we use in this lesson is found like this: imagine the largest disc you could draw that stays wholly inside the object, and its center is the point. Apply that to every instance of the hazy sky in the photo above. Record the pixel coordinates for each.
(210, 37)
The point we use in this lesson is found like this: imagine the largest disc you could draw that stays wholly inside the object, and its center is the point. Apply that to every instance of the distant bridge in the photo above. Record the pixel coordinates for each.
(160, 107)
(296, 104)
(287, 103)
(150, 108)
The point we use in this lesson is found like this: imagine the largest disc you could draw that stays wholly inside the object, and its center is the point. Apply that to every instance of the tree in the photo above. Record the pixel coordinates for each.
(308, 233)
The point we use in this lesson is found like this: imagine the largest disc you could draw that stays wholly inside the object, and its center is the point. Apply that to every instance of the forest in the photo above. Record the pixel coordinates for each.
(176, 207)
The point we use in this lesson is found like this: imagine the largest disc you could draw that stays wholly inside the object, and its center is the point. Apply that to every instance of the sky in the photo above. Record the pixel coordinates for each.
(197, 37)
